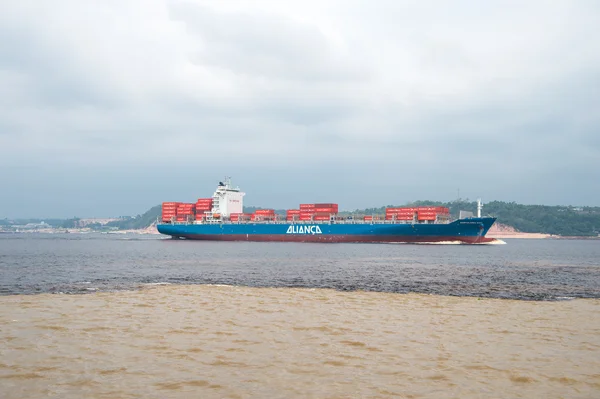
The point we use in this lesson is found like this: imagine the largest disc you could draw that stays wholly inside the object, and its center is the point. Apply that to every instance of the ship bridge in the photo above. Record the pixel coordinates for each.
(228, 199)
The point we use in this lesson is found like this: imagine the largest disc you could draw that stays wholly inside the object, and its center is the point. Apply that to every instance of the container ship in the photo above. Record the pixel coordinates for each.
(221, 218)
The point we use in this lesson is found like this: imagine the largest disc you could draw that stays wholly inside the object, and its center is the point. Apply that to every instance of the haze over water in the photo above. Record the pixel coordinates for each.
(378, 334)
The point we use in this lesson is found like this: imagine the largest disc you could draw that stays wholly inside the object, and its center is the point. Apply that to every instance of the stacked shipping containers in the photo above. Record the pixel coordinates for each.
(169, 211)
(185, 211)
(203, 205)
(234, 217)
(263, 214)
(182, 212)
(292, 214)
(317, 211)
(422, 213)
(400, 213)
(306, 211)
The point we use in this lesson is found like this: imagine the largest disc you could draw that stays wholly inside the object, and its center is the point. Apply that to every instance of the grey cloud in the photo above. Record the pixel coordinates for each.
(409, 108)
(49, 75)
(265, 45)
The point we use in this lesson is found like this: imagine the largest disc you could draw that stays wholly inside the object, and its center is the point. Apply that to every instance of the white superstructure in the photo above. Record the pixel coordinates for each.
(227, 199)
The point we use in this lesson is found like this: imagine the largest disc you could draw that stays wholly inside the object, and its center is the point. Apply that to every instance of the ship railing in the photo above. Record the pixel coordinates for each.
(283, 221)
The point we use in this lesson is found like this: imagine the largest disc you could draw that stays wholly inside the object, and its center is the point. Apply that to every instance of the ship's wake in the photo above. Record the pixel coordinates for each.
(493, 241)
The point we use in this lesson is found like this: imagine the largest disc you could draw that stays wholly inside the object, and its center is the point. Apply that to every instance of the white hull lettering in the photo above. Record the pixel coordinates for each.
(300, 229)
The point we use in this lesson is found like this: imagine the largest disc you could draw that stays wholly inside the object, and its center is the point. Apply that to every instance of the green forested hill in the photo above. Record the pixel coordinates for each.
(561, 220)
(139, 221)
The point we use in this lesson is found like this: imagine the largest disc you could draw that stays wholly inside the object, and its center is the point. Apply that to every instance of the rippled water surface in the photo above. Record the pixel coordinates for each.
(181, 319)
(206, 341)
(522, 269)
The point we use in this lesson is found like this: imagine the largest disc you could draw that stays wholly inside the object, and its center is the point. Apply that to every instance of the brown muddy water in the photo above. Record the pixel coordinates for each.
(207, 341)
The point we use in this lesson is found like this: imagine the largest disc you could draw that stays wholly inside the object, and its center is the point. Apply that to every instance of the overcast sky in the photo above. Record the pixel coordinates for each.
(110, 107)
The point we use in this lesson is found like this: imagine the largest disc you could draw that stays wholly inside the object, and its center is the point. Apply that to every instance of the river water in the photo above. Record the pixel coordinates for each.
(111, 316)
(522, 269)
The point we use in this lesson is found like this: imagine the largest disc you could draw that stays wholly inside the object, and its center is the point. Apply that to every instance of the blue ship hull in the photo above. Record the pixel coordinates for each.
(471, 230)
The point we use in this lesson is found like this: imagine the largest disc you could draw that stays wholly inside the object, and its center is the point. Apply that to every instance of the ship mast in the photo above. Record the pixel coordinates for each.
(479, 207)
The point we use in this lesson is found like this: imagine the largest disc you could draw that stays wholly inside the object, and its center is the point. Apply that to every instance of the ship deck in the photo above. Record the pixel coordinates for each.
(365, 222)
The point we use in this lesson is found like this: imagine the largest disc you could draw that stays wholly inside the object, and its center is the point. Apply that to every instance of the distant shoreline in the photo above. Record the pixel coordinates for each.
(152, 230)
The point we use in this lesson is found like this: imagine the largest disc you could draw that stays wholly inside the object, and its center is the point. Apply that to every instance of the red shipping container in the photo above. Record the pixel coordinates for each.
(434, 209)
(264, 212)
(400, 209)
(307, 206)
(328, 205)
(396, 210)
(368, 218)
(326, 210)
(293, 211)
(304, 218)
